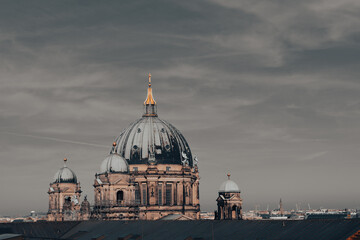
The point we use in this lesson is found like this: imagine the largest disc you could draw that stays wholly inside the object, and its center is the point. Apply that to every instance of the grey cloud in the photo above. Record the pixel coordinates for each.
(258, 88)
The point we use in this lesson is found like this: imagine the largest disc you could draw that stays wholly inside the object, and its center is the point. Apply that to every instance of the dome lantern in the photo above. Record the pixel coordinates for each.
(150, 109)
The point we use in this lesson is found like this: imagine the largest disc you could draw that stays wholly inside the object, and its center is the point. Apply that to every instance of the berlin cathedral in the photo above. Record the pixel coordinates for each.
(150, 173)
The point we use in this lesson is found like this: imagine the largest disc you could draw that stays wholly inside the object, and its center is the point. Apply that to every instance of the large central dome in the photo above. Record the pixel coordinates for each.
(153, 135)
(150, 139)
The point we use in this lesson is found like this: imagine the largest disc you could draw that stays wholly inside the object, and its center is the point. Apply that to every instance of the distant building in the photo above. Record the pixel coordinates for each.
(229, 201)
(207, 215)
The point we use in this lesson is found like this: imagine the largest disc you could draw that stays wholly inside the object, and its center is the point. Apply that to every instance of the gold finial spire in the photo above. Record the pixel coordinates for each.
(150, 99)
(65, 160)
(228, 175)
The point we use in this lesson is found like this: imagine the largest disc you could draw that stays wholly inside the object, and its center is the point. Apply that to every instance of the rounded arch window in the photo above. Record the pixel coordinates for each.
(120, 195)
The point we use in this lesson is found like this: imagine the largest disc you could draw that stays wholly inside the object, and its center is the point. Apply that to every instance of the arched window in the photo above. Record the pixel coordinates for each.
(137, 194)
(144, 194)
(160, 194)
(120, 196)
(168, 194)
(67, 204)
(197, 192)
(234, 212)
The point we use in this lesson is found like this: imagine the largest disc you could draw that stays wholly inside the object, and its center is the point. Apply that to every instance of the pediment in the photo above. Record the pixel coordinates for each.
(220, 198)
(120, 181)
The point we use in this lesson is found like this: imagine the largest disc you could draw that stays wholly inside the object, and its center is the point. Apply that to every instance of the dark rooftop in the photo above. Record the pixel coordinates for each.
(205, 229)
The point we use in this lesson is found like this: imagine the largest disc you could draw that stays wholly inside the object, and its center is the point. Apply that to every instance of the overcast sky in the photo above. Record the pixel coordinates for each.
(266, 90)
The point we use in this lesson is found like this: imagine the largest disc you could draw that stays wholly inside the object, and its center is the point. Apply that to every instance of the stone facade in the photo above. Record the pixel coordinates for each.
(64, 201)
(147, 192)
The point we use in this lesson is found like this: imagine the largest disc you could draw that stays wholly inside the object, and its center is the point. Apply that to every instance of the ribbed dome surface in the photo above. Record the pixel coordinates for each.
(65, 175)
(114, 163)
(148, 135)
(229, 186)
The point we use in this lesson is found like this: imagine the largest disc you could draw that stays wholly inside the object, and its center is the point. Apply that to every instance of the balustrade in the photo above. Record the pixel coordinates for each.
(114, 203)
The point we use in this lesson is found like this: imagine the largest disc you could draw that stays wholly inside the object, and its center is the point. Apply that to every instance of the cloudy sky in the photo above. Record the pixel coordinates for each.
(266, 90)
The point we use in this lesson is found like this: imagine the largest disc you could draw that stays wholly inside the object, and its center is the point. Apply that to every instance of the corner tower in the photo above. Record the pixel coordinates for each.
(162, 176)
(64, 196)
(229, 201)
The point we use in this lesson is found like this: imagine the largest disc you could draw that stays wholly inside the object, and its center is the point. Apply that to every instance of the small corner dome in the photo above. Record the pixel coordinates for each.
(114, 163)
(229, 186)
(65, 175)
